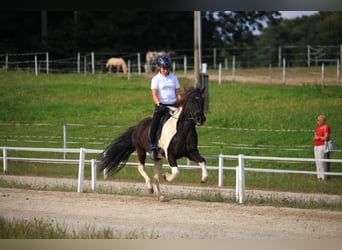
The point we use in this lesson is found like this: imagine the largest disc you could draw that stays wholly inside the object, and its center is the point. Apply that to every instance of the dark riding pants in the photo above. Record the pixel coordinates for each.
(159, 112)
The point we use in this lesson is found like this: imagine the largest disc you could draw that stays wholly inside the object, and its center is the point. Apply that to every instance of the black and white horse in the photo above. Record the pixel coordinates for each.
(178, 138)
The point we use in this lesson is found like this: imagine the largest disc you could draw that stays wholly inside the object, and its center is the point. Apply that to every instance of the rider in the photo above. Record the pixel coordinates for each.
(165, 89)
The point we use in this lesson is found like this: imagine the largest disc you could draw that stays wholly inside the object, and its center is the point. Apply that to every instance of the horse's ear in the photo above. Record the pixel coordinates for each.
(202, 90)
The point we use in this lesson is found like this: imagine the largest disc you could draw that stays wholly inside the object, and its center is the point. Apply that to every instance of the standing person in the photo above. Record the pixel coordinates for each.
(321, 135)
(165, 89)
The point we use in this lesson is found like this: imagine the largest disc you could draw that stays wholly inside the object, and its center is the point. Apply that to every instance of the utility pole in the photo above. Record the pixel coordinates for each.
(197, 48)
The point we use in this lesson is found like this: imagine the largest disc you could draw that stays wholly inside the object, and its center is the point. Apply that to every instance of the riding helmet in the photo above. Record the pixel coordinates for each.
(164, 61)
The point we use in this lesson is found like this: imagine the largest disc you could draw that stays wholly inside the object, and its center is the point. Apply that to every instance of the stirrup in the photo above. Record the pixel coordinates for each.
(154, 154)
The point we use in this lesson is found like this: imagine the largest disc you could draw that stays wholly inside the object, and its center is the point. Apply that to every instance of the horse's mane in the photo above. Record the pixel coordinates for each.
(186, 95)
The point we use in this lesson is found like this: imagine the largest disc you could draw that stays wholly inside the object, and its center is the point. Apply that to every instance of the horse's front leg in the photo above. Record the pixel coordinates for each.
(195, 156)
(205, 176)
(174, 169)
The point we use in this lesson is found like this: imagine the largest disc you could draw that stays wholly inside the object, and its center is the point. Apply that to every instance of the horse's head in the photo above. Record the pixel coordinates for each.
(193, 105)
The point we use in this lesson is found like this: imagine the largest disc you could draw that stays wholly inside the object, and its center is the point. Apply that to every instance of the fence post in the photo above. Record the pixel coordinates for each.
(78, 62)
(6, 63)
(35, 65)
(65, 140)
(322, 75)
(308, 55)
(92, 63)
(220, 173)
(241, 179)
(185, 65)
(4, 159)
(284, 71)
(47, 62)
(233, 68)
(220, 73)
(338, 72)
(93, 175)
(81, 171)
(237, 183)
(139, 64)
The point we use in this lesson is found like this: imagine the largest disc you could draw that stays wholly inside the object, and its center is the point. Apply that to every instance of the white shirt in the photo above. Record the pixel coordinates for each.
(166, 86)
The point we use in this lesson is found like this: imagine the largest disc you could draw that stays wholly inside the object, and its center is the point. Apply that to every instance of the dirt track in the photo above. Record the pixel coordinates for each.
(176, 219)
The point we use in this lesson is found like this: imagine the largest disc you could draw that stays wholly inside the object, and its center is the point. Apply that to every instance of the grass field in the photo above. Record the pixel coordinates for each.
(251, 119)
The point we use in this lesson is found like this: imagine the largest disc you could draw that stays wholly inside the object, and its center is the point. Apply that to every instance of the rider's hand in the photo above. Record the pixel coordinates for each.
(161, 107)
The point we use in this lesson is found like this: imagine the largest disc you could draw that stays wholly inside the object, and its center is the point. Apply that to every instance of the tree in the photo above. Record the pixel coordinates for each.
(67, 32)
(324, 28)
(229, 28)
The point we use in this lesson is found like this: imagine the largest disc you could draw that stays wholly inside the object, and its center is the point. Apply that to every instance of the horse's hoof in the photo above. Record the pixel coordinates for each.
(204, 179)
(162, 198)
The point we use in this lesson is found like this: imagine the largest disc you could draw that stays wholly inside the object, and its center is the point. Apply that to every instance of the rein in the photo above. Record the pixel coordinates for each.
(172, 110)
(181, 103)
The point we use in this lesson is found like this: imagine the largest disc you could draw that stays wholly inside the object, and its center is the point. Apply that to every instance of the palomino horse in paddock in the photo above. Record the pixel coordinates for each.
(178, 138)
(119, 63)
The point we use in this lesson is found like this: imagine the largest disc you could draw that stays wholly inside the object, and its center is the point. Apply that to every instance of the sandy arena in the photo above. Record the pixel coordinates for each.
(148, 218)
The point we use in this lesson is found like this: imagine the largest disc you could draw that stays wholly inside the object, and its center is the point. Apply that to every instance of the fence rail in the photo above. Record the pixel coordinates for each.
(239, 169)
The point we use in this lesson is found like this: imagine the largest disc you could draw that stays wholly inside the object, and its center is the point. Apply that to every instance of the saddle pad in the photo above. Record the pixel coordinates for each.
(168, 131)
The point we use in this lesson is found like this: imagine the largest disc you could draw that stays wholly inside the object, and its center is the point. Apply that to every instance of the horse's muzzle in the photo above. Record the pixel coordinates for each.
(199, 118)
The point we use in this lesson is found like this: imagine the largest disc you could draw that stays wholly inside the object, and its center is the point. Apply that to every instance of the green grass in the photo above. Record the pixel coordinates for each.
(250, 119)
(50, 229)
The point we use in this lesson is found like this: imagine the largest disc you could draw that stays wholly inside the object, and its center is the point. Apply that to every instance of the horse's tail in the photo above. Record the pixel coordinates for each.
(115, 156)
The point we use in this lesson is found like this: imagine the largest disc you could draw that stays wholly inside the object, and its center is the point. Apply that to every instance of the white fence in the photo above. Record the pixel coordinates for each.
(240, 169)
(232, 59)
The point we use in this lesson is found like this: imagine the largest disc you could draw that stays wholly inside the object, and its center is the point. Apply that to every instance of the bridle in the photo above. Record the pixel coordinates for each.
(190, 116)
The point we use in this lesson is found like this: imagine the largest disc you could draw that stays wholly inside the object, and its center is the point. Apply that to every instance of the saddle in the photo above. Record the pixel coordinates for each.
(164, 119)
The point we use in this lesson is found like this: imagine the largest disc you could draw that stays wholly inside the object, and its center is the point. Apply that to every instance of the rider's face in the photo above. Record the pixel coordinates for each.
(164, 71)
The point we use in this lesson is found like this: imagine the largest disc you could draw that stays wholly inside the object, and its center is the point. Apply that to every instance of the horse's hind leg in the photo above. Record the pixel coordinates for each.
(157, 167)
(141, 168)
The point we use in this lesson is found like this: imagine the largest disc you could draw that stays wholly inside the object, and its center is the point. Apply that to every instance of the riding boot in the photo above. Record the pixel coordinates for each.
(154, 153)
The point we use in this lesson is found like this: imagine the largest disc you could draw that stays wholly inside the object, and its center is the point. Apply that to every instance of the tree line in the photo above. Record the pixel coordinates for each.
(63, 33)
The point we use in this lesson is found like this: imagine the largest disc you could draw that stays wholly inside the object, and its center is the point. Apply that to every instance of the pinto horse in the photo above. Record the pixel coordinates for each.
(178, 138)
(119, 63)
